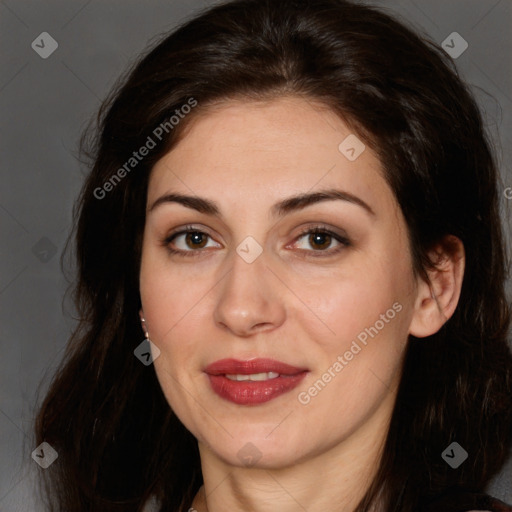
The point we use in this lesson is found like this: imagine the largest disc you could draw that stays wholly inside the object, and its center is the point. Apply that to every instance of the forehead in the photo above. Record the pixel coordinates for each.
(267, 150)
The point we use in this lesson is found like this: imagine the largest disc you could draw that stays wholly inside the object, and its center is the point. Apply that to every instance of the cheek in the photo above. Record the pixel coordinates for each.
(351, 303)
(365, 315)
(361, 358)
(170, 296)
(171, 309)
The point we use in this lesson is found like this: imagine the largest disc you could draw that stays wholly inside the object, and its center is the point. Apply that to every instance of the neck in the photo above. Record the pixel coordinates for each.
(336, 479)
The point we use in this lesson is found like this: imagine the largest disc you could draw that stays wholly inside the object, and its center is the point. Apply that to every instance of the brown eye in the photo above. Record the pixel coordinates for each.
(320, 240)
(196, 240)
(189, 242)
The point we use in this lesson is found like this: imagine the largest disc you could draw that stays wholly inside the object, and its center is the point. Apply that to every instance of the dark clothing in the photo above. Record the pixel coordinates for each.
(461, 501)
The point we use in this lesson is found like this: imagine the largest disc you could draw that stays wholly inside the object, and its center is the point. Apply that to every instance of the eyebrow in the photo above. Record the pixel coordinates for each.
(291, 204)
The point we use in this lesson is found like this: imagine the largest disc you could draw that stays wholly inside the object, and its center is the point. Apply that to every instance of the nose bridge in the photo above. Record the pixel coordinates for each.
(248, 297)
(248, 270)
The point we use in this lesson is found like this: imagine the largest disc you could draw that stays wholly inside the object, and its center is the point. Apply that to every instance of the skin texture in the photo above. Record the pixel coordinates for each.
(287, 304)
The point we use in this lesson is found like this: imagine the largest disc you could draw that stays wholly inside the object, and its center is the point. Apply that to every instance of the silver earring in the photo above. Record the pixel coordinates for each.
(150, 351)
(144, 328)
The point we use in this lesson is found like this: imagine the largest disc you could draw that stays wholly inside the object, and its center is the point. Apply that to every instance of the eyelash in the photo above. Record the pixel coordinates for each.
(344, 242)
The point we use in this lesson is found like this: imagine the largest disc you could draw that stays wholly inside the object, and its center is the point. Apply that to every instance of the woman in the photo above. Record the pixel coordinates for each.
(290, 277)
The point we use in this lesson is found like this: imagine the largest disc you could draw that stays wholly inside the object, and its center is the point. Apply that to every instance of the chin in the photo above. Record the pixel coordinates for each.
(254, 448)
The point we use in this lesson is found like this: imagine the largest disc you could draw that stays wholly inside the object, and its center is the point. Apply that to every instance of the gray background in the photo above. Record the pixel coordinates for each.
(44, 105)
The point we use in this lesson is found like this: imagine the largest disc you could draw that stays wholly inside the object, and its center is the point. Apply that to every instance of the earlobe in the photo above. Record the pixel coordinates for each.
(437, 299)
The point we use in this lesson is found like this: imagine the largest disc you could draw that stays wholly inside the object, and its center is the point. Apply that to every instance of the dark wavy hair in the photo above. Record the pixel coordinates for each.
(118, 441)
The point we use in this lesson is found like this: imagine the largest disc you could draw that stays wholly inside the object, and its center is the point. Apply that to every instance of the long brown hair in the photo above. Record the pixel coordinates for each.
(117, 438)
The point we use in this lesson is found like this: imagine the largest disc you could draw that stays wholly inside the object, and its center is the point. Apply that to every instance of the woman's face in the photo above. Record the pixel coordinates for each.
(248, 284)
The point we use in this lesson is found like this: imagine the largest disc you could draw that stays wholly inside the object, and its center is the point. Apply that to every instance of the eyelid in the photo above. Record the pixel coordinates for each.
(183, 230)
(322, 228)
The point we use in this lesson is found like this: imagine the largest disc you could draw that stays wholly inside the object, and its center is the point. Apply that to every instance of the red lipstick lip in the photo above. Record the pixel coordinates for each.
(252, 392)
(248, 367)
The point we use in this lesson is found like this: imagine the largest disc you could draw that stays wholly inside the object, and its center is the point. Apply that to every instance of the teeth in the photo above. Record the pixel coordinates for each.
(253, 376)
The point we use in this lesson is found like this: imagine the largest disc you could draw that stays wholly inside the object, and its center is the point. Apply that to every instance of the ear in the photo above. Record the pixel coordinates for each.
(437, 299)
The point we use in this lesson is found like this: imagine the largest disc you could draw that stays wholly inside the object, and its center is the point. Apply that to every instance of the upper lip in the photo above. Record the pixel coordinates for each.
(251, 366)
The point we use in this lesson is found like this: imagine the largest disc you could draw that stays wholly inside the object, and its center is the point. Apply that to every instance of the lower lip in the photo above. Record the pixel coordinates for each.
(253, 392)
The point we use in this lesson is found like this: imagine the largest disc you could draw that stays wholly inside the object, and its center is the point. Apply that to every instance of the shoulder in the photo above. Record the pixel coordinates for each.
(463, 501)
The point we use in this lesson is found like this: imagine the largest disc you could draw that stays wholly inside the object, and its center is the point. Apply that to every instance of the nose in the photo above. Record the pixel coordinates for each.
(251, 299)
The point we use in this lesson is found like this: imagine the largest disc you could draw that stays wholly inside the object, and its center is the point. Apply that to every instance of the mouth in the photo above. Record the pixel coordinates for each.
(254, 381)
